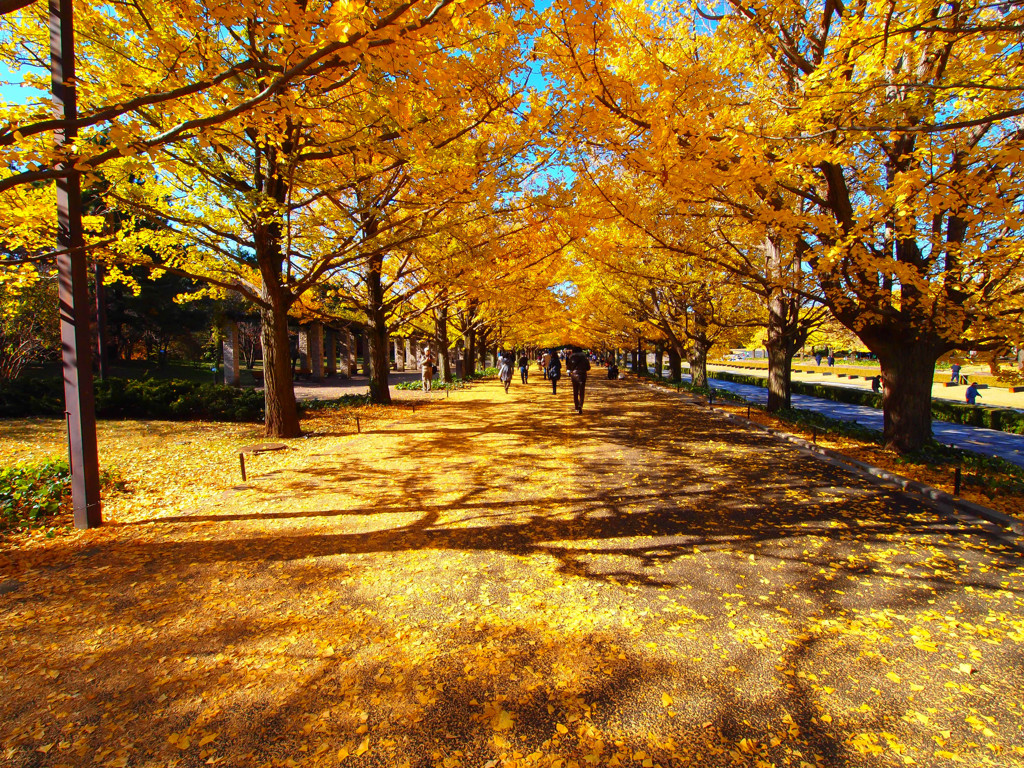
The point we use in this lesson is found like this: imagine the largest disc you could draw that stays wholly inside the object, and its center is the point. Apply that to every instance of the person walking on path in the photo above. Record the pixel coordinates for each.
(545, 361)
(831, 359)
(876, 383)
(972, 393)
(554, 371)
(505, 370)
(524, 367)
(954, 373)
(427, 369)
(578, 365)
(817, 358)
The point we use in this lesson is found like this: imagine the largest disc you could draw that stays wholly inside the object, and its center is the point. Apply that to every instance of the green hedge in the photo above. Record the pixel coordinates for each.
(137, 398)
(1002, 419)
(455, 383)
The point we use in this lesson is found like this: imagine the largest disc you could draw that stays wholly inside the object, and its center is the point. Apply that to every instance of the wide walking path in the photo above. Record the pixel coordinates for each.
(978, 439)
(493, 580)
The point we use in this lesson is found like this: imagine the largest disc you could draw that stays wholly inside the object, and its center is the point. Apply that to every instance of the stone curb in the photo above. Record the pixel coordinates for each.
(1009, 528)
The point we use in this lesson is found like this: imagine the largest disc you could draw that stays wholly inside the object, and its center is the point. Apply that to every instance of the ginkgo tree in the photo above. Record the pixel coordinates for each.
(301, 191)
(890, 133)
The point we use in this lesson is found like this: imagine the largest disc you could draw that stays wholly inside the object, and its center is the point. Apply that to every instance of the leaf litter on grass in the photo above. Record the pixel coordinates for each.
(496, 581)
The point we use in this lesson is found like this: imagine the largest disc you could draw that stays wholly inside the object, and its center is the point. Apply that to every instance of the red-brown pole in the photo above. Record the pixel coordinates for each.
(79, 396)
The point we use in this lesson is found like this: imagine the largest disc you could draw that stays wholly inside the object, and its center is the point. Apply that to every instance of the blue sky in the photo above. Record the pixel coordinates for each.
(12, 94)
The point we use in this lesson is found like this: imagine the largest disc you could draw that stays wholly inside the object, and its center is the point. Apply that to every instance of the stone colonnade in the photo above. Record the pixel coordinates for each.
(325, 351)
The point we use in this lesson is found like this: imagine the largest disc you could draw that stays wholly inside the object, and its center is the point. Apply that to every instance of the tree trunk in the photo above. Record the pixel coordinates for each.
(377, 356)
(780, 375)
(698, 358)
(282, 413)
(469, 354)
(779, 342)
(907, 371)
(441, 335)
(675, 363)
(481, 345)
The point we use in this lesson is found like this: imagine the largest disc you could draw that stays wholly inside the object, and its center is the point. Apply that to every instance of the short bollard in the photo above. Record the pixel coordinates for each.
(957, 476)
(254, 449)
(358, 427)
(748, 411)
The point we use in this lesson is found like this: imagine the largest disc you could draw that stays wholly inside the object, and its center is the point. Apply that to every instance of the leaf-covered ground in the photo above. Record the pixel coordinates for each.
(497, 581)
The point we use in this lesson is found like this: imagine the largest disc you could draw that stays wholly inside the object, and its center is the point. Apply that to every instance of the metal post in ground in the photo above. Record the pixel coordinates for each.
(79, 394)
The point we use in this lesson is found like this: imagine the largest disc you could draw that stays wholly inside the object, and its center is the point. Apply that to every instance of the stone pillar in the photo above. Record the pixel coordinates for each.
(304, 349)
(232, 374)
(315, 331)
(344, 344)
(331, 342)
(399, 354)
(353, 366)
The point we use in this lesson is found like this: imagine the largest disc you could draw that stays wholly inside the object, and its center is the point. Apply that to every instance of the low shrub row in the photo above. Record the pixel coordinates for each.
(434, 384)
(170, 399)
(455, 383)
(1003, 419)
(345, 401)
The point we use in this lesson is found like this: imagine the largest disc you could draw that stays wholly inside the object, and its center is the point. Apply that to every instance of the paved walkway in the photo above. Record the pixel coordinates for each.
(497, 582)
(991, 396)
(985, 441)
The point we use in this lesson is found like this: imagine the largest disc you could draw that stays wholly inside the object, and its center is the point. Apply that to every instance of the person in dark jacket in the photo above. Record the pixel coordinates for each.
(578, 365)
(524, 367)
(554, 372)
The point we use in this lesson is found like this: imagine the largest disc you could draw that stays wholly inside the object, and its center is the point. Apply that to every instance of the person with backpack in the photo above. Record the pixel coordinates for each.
(524, 367)
(554, 371)
(578, 365)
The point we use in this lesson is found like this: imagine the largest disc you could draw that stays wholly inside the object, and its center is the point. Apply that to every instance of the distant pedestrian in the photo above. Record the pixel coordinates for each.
(578, 365)
(817, 358)
(954, 373)
(505, 370)
(876, 383)
(831, 358)
(554, 371)
(972, 393)
(613, 370)
(427, 370)
(524, 367)
(545, 361)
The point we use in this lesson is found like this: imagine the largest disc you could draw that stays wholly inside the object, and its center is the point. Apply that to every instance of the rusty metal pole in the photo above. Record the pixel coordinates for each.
(79, 396)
